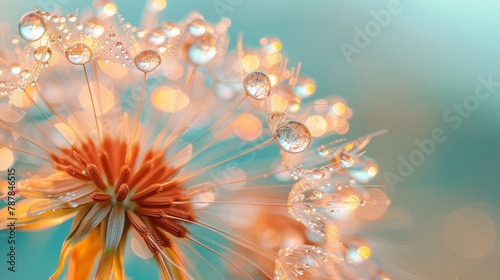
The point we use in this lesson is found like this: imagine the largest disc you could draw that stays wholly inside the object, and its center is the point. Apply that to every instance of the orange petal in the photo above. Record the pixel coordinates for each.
(47, 220)
(118, 271)
(113, 236)
(83, 256)
(175, 255)
(84, 225)
(170, 264)
(43, 221)
(20, 212)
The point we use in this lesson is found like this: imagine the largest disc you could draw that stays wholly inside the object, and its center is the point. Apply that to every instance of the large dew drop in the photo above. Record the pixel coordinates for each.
(31, 27)
(203, 50)
(293, 137)
(93, 28)
(147, 61)
(42, 54)
(157, 37)
(312, 202)
(257, 85)
(78, 53)
(197, 27)
(303, 262)
(171, 30)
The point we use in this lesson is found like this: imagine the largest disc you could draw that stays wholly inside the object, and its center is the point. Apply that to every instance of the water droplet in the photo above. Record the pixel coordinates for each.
(257, 85)
(31, 27)
(197, 27)
(112, 36)
(46, 15)
(93, 28)
(318, 194)
(203, 50)
(156, 37)
(42, 54)
(161, 49)
(71, 17)
(300, 271)
(78, 53)
(293, 137)
(343, 161)
(15, 69)
(147, 60)
(171, 30)
(119, 45)
(294, 262)
(25, 74)
(362, 203)
(71, 204)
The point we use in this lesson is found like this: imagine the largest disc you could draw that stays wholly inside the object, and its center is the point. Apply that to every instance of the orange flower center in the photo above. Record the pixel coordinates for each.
(154, 203)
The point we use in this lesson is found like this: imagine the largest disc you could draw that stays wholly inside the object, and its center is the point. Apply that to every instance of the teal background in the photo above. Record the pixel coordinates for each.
(425, 60)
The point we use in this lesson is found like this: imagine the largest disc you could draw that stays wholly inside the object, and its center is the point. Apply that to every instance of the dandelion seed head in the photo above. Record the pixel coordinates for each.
(153, 131)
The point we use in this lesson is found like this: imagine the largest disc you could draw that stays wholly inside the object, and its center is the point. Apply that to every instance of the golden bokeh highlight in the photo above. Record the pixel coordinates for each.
(309, 89)
(295, 105)
(248, 127)
(159, 4)
(24, 98)
(351, 202)
(317, 125)
(274, 79)
(372, 171)
(103, 99)
(112, 69)
(364, 252)
(348, 147)
(339, 108)
(109, 9)
(169, 100)
(340, 125)
(66, 131)
(469, 232)
(273, 58)
(6, 158)
(278, 103)
(376, 204)
(276, 46)
(250, 63)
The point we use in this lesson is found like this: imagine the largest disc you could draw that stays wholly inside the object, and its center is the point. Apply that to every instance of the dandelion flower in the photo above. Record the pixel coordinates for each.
(161, 134)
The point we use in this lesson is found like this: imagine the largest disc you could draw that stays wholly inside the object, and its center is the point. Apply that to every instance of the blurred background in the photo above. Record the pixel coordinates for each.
(416, 68)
